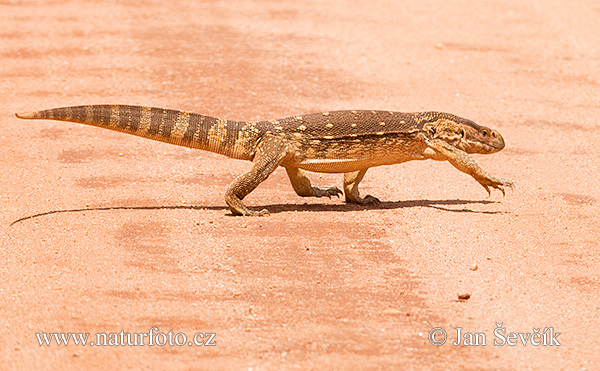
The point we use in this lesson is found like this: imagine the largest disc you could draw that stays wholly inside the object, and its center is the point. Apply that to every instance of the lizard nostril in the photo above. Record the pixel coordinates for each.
(494, 134)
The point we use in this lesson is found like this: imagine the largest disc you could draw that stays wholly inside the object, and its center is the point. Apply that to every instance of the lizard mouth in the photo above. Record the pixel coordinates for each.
(489, 146)
(497, 143)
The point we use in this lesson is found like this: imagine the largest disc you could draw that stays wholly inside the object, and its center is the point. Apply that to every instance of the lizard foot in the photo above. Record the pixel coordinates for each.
(244, 211)
(367, 200)
(326, 191)
(256, 213)
(496, 183)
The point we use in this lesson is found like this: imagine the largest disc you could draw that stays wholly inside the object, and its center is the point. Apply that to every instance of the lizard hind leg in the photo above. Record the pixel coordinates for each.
(351, 181)
(303, 188)
(268, 157)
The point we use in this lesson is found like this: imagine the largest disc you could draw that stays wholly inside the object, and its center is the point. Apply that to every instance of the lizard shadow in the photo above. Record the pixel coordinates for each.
(107, 208)
(279, 208)
(387, 205)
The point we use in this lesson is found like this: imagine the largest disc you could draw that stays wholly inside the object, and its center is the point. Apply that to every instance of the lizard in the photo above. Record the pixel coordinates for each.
(348, 142)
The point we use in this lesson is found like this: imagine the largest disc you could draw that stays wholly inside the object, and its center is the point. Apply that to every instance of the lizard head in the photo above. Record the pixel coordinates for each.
(464, 134)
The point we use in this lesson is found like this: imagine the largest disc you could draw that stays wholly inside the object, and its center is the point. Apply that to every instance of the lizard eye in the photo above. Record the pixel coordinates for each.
(484, 133)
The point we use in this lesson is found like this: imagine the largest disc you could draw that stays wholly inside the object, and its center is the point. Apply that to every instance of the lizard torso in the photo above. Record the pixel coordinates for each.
(344, 141)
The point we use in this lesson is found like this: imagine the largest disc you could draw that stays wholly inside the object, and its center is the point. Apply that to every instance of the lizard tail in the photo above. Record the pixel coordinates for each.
(230, 138)
(29, 115)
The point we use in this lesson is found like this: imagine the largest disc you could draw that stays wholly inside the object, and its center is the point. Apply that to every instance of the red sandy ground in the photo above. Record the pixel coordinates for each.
(317, 284)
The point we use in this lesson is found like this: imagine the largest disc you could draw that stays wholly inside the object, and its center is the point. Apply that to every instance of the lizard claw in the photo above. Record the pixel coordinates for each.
(327, 191)
(488, 190)
(338, 193)
(498, 184)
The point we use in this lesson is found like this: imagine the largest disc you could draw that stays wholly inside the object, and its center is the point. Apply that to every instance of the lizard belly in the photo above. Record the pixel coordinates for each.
(327, 165)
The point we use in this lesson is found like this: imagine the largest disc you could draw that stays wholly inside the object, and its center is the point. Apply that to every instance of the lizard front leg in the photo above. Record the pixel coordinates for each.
(268, 156)
(303, 188)
(463, 162)
(351, 181)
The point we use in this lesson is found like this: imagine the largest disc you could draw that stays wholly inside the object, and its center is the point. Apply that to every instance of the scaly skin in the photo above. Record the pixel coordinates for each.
(348, 142)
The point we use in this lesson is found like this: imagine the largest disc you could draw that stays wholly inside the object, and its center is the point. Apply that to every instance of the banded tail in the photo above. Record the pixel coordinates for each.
(234, 139)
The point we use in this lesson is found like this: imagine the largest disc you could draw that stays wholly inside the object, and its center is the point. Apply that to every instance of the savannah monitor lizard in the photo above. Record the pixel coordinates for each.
(348, 142)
